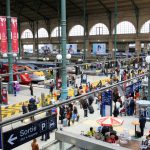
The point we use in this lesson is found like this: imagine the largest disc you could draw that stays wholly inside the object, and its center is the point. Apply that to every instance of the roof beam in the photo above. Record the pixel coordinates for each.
(134, 5)
(33, 9)
(104, 6)
(49, 5)
(75, 5)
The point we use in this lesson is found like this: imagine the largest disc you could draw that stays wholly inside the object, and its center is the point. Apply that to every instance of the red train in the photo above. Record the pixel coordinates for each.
(22, 78)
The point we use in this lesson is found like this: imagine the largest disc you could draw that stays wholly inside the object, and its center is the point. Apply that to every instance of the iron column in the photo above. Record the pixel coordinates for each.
(64, 90)
(10, 56)
(148, 97)
(115, 31)
(85, 27)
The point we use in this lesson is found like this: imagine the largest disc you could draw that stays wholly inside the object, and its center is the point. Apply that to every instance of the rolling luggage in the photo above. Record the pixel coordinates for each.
(65, 122)
(91, 109)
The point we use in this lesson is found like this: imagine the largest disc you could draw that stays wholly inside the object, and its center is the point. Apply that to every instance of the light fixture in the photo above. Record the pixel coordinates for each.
(68, 56)
(47, 59)
(43, 59)
(14, 55)
(58, 56)
(5, 55)
(147, 59)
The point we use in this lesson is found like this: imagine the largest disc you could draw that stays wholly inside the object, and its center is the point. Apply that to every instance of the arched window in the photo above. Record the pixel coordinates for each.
(42, 33)
(99, 29)
(125, 27)
(77, 30)
(56, 31)
(145, 27)
(27, 34)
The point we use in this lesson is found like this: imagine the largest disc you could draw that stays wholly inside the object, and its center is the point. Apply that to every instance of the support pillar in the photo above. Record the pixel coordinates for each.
(10, 56)
(64, 90)
(85, 19)
(138, 47)
(37, 38)
(115, 29)
(111, 47)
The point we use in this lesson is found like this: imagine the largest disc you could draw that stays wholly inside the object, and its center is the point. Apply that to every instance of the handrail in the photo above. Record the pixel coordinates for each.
(23, 116)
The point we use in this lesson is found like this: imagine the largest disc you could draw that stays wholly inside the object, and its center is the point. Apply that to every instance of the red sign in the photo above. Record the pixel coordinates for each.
(3, 35)
(14, 32)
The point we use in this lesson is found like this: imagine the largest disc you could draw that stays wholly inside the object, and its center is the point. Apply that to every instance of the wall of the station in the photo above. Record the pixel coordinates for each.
(123, 40)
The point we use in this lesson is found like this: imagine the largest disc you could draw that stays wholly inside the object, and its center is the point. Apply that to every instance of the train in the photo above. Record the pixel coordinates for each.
(35, 76)
(22, 78)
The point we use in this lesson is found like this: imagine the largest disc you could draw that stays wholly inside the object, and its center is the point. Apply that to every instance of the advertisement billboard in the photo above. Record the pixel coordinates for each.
(14, 35)
(28, 48)
(3, 35)
(45, 48)
(99, 48)
(71, 48)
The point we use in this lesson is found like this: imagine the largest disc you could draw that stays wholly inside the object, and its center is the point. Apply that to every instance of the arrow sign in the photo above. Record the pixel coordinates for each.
(11, 139)
(23, 134)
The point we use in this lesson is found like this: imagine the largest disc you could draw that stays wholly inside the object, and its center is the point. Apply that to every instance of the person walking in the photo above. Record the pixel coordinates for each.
(142, 121)
(31, 89)
(34, 145)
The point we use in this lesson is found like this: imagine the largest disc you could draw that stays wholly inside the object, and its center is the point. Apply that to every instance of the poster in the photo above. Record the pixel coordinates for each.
(14, 35)
(99, 48)
(45, 48)
(3, 35)
(28, 49)
(71, 48)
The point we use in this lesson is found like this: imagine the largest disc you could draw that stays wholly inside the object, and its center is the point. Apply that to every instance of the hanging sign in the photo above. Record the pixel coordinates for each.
(3, 35)
(23, 134)
(14, 32)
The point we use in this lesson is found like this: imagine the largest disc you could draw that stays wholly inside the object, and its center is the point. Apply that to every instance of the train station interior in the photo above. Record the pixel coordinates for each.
(75, 74)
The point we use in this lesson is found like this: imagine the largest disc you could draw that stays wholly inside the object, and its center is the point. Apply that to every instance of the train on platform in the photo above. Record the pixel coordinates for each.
(22, 78)
(36, 76)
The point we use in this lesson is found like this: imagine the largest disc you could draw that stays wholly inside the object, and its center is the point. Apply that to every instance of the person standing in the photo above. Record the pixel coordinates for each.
(142, 121)
(31, 89)
(85, 107)
(24, 109)
(51, 87)
(15, 90)
(131, 106)
(34, 145)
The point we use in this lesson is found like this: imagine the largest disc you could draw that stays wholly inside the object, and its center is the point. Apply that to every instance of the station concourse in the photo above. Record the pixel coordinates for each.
(74, 74)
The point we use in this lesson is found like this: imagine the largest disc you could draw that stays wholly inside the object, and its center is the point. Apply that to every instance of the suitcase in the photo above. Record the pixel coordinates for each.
(65, 122)
(91, 109)
(138, 134)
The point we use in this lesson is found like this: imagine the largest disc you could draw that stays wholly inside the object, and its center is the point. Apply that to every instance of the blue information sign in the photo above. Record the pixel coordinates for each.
(132, 88)
(106, 102)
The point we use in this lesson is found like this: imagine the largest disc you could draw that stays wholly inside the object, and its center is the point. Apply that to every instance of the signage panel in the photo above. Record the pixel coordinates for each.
(3, 35)
(14, 32)
(23, 134)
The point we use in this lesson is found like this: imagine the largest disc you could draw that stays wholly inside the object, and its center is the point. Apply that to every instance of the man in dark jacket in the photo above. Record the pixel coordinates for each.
(90, 100)
(85, 107)
(131, 106)
(142, 121)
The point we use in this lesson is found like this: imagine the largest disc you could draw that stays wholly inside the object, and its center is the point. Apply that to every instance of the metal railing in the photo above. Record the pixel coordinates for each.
(41, 110)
